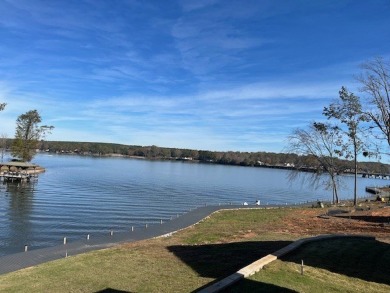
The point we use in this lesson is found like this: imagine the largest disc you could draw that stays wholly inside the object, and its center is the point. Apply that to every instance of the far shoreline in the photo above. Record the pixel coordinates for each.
(363, 174)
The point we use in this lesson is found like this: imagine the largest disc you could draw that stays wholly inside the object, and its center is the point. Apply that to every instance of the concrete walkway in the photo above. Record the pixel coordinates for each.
(30, 258)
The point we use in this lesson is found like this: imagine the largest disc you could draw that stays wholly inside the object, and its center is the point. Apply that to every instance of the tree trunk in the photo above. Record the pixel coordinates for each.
(355, 179)
(334, 190)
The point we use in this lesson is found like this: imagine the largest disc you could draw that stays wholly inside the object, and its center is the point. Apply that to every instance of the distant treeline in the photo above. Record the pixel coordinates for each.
(265, 159)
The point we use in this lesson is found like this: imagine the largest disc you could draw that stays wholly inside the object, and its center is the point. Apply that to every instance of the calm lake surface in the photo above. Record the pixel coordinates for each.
(77, 196)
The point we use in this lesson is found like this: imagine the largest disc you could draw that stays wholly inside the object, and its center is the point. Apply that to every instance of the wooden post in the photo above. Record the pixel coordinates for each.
(132, 228)
(302, 268)
(25, 248)
(66, 253)
(64, 240)
(111, 233)
(88, 237)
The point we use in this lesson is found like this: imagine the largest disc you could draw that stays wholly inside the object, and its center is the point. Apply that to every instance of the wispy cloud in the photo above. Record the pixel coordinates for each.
(209, 41)
(189, 5)
(203, 74)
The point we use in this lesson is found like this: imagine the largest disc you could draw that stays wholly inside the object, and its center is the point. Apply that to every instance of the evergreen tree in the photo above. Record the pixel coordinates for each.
(28, 134)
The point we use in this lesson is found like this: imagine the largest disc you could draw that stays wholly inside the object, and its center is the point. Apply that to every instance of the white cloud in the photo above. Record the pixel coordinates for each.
(189, 5)
(273, 90)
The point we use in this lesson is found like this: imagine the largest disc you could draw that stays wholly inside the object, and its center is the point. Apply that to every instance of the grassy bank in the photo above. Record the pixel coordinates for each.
(184, 262)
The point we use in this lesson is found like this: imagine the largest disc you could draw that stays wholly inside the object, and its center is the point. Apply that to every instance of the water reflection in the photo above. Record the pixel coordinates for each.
(19, 195)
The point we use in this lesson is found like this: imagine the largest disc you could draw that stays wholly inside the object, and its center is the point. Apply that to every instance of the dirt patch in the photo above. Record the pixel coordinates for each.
(369, 219)
(249, 234)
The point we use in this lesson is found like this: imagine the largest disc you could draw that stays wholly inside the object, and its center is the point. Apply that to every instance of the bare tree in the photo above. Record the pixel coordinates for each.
(348, 111)
(319, 141)
(375, 81)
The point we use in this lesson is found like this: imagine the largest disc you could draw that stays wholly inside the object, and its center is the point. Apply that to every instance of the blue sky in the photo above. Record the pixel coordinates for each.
(207, 74)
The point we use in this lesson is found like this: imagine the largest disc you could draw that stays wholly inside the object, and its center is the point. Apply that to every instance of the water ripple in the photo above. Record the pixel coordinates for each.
(77, 196)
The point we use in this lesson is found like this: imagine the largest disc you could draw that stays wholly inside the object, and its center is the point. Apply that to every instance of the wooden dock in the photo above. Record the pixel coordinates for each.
(16, 176)
(15, 171)
(373, 190)
(378, 190)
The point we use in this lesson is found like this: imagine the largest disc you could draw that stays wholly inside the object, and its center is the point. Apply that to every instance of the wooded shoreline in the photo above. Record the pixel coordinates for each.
(254, 159)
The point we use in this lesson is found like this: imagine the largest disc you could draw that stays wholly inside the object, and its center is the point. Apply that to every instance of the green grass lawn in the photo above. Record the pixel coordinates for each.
(190, 259)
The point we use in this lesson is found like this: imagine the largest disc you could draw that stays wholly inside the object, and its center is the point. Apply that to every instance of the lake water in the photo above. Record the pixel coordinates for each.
(77, 196)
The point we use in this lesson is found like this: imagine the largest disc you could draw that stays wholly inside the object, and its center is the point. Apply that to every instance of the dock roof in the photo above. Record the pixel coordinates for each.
(23, 165)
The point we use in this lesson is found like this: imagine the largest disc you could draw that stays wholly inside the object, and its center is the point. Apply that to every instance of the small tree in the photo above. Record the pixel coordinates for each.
(375, 81)
(28, 134)
(3, 145)
(319, 141)
(3, 138)
(348, 111)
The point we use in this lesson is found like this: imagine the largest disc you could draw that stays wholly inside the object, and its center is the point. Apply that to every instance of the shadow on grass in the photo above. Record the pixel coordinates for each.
(246, 285)
(372, 219)
(366, 259)
(220, 260)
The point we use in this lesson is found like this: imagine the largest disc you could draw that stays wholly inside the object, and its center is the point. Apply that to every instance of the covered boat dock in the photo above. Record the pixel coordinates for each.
(18, 171)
